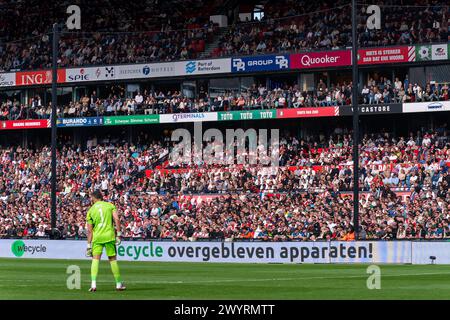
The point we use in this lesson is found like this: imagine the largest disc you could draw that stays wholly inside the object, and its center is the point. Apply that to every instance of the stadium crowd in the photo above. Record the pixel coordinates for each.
(153, 30)
(304, 199)
(138, 31)
(256, 97)
(291, 26)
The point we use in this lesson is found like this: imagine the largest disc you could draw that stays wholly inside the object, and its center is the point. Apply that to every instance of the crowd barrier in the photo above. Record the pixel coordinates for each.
(402, 252)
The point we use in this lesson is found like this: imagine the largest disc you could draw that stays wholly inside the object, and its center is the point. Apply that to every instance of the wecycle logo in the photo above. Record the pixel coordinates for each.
(137, 251)
(190, 67)
(19, 248)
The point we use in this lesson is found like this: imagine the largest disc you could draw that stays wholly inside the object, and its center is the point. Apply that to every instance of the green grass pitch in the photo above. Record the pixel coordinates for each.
(46, 279)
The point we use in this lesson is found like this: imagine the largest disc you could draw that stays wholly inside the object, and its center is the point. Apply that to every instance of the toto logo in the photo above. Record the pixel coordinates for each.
(306, 60)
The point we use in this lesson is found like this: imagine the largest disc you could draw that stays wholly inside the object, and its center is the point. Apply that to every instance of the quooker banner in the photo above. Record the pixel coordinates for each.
(235, 252)
(321, 59)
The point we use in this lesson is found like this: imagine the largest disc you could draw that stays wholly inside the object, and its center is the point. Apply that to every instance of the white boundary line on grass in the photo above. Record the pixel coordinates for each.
(231, 280)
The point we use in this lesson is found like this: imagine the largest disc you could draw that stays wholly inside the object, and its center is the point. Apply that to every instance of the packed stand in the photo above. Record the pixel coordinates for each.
(257, 97)
(306, 198)
(296, 26)
(141, 31)
(154, 30)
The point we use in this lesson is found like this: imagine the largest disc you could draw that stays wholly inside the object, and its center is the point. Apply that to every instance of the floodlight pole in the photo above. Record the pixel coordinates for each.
(53, 126)
(355, 107)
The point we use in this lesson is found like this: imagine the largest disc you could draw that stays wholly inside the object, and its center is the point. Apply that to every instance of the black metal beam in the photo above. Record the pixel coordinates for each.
(53, 126)
(355, 106)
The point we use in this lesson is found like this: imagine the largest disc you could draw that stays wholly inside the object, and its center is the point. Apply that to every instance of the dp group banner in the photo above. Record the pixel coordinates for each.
(260, 63)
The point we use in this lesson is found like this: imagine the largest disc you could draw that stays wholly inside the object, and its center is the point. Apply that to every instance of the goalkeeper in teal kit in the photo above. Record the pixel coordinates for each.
(101, 219)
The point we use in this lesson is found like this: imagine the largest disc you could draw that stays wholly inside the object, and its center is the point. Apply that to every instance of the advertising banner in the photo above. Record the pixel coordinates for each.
(430, 52)
(439, 52)
(28, 78)
(7, 79)
(260, 63)
(372, 109)
(25, 124)
(308, 112)
(142, 71)
(236, 252)
(188, 117)
(83, 74)
(128, 120)
(387, 55)
(194, 67)
(80, 122)
(423, 250)
(426, 106)
(321, 59)
(423, 52)
(247, 115)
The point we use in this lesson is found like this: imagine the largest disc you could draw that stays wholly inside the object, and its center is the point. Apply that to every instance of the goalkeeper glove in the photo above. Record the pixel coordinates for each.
(118, 239)
(89, 250)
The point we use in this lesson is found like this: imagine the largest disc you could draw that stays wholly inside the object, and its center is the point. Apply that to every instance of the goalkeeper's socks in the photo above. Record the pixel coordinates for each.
(115, 271)
(94, 272)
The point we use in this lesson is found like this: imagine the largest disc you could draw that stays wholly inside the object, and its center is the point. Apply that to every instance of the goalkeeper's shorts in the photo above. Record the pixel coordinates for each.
(97, 248)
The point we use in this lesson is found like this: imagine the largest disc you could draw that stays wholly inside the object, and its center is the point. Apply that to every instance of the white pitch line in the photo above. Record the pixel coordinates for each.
(245, 280)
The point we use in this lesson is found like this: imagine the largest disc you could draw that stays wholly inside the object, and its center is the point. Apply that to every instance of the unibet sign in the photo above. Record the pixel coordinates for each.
(18, 248)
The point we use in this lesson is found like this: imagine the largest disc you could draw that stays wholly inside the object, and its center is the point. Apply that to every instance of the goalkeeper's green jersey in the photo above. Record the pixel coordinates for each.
(100, 215)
